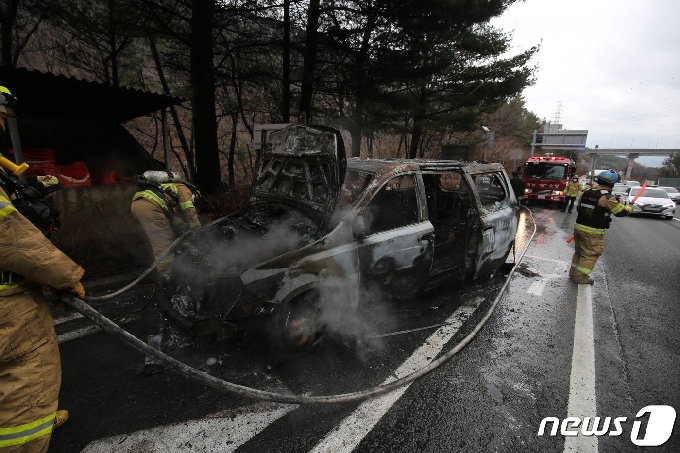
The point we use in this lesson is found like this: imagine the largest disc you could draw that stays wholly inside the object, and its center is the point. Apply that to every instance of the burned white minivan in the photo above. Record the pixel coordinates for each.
(319, 225)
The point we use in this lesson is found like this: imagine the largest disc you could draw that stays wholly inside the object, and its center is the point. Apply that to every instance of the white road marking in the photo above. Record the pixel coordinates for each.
(534, 257)
(68, 336)
(68, 318)
(537, 288)
(582, 383)
(347, 435)
(222, 433)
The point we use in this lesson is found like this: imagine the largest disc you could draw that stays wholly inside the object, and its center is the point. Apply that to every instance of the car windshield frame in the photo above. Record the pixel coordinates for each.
(650, 193)
(669, 189)
(354, 188)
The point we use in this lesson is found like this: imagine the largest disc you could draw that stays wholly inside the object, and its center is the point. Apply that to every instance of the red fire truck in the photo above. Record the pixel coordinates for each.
(546, 177)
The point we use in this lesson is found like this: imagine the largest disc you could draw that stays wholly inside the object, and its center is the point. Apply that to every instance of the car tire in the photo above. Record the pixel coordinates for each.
(669, 217)
(297, 323)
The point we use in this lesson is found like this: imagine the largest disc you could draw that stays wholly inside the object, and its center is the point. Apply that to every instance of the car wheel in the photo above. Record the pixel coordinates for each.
(298, 322)
(669, 217)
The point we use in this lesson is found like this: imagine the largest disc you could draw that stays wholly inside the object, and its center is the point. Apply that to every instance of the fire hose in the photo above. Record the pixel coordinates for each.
(175, 365)
(150, 269)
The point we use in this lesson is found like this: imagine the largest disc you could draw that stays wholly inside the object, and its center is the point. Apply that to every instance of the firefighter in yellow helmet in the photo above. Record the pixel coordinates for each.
(30, 366)
(594, 216)
(165, 209)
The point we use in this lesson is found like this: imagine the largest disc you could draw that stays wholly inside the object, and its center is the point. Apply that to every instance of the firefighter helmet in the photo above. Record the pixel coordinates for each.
(8, 103)
(574, 178)
(608, 178)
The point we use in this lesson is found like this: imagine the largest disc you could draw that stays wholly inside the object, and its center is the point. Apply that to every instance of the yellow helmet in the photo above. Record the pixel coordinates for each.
(8, 103)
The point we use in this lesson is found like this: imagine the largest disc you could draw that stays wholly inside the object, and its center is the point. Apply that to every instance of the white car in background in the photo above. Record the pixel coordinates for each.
(652, 201)
(673, 193)
(621, 190)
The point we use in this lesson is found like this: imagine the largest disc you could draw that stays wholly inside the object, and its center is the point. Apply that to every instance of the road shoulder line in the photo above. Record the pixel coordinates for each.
(582, 382)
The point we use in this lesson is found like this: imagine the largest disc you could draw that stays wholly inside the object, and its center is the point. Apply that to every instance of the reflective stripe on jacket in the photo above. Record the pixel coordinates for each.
(6, 207)
(181, 195)
(15, 284)
(572, 189)
(152, 197)
(21, 434)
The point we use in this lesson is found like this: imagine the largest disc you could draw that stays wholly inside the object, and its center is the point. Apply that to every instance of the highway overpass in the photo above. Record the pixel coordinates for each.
(631, 154)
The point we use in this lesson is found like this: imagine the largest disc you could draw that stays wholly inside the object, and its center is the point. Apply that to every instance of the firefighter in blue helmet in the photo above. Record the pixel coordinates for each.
(595, 208)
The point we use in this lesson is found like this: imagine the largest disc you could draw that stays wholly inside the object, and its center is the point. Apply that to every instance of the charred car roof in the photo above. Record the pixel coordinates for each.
(380, 166)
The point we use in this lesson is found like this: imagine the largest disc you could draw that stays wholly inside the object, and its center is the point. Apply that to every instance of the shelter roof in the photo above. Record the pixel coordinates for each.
(58, 96)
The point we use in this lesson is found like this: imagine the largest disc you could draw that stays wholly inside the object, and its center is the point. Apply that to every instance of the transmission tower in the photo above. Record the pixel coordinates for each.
(558, 113)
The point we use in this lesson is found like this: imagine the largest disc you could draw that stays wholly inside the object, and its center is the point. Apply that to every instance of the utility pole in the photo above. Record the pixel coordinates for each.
(533, 143)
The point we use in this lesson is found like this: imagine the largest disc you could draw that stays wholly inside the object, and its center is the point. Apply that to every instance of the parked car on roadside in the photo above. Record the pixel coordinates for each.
(673, 193)
(652, 201)
(322, 233)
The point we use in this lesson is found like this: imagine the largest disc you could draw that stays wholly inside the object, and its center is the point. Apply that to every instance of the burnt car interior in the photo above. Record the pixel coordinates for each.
(448, 205)
(491, 192)
(396, 205)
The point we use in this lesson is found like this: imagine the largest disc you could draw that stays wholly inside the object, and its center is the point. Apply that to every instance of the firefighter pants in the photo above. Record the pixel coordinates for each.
(568, 203)
(588, 248)
(30, 372)
(155, 224)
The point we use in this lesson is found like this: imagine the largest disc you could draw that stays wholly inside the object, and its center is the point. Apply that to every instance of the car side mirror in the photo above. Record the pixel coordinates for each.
(359, 228)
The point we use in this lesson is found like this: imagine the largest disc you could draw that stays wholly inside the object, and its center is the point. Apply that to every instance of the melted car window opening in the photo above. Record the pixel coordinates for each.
(352, 191)
(394, 206)
(492, 192)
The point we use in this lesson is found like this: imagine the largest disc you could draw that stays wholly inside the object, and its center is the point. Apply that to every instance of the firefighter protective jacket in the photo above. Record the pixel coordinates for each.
(572, 189)
(595, 209)
(29, 256)
(177, 203)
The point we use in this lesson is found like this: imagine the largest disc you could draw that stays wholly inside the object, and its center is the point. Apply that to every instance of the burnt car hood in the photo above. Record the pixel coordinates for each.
(301, 167)
(251, 237)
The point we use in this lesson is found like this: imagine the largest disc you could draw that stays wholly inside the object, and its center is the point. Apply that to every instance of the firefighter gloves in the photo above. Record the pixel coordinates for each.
(78, 290)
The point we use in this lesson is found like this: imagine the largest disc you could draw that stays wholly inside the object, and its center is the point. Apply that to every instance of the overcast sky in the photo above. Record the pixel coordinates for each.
(612, 65)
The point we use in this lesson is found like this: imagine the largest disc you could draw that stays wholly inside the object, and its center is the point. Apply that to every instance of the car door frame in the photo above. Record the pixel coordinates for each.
(378, 258)
(497, 228)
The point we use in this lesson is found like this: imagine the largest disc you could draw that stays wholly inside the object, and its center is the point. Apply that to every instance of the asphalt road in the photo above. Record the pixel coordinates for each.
(550, 349)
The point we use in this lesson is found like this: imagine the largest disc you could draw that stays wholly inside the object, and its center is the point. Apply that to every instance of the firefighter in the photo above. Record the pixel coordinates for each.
(165, 210)
(595, 208)
(30, 366)
(518, 186)
(571, 191)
